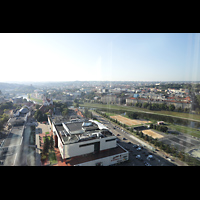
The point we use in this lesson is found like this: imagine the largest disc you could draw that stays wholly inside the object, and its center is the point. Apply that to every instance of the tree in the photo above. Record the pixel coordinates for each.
(76, 105)
(145, 105)
(132, 115)
(46, 146)
(149, 107)
(146, 137)
(65, 111)
(163, 106)
(51, 142)
(171, 107)
(197, 110)
(4, 118)
(37, 106)
(1, 125)
(141, 134)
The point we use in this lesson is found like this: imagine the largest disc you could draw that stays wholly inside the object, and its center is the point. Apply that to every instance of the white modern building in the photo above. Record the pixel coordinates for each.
(87, 143)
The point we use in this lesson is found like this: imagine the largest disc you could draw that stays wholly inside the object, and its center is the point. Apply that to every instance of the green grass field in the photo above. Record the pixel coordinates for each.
(36, 100)
(185, 129)
(52, 157)
(136, 109)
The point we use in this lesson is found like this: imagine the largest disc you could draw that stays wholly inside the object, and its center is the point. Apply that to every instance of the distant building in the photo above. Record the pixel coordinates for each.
(177, 102)
(113, 99)
(136, 95)
(47, 102)
(20, 117)
(17, 100)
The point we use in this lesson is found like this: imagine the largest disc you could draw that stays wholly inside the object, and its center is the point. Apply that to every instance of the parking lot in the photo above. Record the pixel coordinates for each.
(181, 142)
(139, 155)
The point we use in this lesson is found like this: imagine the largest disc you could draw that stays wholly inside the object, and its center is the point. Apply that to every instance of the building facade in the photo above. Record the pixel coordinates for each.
(87, 142)
(184, 103)
(47, 102)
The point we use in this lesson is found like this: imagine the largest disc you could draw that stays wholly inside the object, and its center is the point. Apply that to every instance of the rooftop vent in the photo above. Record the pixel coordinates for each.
(86, 124)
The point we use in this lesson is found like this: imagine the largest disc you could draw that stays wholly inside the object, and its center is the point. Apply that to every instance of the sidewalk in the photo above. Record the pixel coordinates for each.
(37, 141)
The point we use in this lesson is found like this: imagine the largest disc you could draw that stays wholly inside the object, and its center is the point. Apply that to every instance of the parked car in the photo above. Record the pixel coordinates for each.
(124, 138)
(138, 149)
(150, 157)
(138, 157)
(146, 163)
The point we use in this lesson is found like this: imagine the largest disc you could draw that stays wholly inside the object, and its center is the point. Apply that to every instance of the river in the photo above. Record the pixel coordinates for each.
(26, 97)
(169, 119)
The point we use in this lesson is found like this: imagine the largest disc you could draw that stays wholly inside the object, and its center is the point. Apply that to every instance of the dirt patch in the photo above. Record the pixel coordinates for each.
(129, 122)
(152, 134)
(195, 153)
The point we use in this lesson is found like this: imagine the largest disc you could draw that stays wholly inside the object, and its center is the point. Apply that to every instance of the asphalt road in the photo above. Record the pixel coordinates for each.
(129, 143)
(10, 149)
(24, 149)
(15, 149)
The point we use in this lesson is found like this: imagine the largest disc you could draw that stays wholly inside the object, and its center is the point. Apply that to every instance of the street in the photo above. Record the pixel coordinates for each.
(15, 150)
(25, 157)
(128, 142)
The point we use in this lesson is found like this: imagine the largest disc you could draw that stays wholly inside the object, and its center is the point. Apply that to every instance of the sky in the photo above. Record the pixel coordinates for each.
(40, 57)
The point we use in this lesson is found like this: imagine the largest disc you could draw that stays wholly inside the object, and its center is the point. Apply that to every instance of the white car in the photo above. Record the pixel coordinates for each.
(138, 156)
(138, 149)
(149, 157)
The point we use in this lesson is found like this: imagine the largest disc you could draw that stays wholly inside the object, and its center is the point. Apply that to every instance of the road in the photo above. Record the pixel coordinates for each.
(10, 150)
(23, 156)
(129, 142)
(15, 149)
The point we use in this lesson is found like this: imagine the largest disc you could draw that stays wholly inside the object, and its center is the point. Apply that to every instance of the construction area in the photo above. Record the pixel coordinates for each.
(152, 133)
(129, 122)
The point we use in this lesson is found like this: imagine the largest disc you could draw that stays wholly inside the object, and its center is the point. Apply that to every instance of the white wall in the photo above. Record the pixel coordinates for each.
(110, 160)
(72, 150)
(60, 146)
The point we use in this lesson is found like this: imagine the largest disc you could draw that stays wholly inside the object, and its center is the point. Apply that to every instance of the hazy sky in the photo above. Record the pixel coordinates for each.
(99, 56)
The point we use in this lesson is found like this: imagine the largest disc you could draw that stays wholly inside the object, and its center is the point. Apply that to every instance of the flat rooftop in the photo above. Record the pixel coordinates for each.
(72, 132)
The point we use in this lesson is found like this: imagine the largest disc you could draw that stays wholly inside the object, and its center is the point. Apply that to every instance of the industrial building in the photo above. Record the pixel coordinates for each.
(85, 142)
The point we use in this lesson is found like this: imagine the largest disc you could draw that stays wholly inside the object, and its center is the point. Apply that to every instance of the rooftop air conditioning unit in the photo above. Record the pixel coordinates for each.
(85, 124)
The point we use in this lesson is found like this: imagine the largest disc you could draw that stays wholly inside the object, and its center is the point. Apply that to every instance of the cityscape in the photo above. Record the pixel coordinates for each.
(79, 105)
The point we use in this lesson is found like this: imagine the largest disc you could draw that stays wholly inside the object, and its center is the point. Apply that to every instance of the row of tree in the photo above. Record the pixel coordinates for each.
(88, 114)
(161, 128)
(158, 106)
(3, 119)
(48, 145)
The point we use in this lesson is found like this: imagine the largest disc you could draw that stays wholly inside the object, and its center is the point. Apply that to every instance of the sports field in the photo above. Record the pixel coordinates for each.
(152, 134)
(129, 122)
